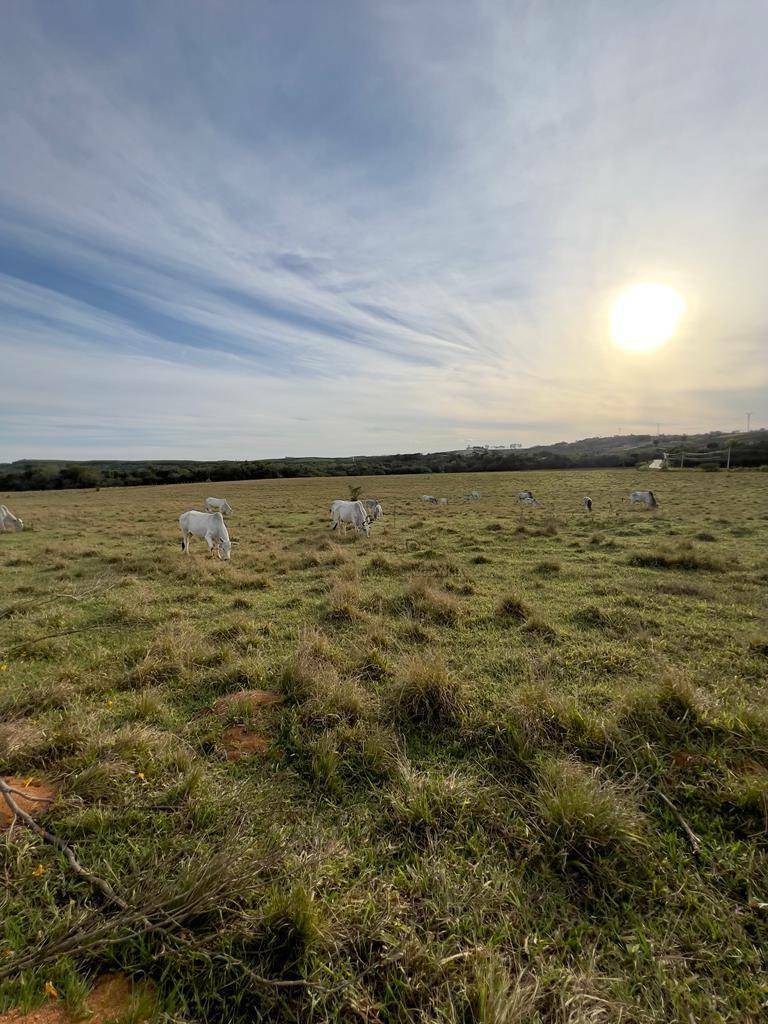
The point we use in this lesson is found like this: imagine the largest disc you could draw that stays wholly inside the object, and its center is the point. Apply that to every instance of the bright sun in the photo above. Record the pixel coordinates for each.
(645, 316)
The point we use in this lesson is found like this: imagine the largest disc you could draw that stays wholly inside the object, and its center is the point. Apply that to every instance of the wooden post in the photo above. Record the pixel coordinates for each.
(728, 464)
(682, 456)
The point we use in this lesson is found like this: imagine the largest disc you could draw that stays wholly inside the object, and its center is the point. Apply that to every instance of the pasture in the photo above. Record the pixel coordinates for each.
(491, 765)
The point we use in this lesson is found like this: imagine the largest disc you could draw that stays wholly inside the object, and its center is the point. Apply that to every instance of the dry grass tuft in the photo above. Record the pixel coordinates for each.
(512, 608)
(585, 817)
(424, 600)
(425, 693)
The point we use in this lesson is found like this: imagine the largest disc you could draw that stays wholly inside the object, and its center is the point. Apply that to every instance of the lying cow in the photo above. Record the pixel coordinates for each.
(8, 521)
(373, 508)
(527, 498)
(349, 513)
(209, 526)
(587, 501)
(218, 505)
(646, 498)
(430, 498)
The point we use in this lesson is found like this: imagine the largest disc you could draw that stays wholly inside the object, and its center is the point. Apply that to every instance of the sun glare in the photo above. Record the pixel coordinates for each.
(645, 316)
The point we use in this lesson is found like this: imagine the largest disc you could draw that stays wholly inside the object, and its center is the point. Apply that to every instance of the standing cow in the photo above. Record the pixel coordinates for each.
(218, 505)
(646, 498)
(587, 503)
(373, 508)
(209, 526)
(527, 498)
(8, 521)
(349, 513)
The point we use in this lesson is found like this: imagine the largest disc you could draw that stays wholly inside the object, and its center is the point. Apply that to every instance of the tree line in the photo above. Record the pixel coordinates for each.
(747, 450)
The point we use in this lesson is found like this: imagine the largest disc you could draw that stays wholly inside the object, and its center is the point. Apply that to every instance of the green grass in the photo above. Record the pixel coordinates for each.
(461, 814)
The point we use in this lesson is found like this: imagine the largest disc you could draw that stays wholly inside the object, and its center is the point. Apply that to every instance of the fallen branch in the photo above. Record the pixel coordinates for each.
(28, 796)
(138, 921)
(93, 880)
(693, 839)
(51, 636)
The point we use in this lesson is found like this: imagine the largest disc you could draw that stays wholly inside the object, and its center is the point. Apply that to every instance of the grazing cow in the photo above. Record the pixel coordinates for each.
(8, 521)
(373, 508)
(209, 526)
(442, 501)
(473, 495)
(430, 498)
(527, 498)
(350, 513)
(587, 503)
(646, 498)
(218, 505)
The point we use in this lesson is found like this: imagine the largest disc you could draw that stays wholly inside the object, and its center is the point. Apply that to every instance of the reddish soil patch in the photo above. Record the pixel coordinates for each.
(109, 998)
(250, 699)
(238, 742)
(38, 797)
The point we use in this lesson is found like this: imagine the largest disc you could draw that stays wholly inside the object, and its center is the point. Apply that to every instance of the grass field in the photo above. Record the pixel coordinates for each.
(519, 771)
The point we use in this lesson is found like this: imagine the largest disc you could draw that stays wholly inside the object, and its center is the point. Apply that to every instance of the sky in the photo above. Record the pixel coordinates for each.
(257, 229)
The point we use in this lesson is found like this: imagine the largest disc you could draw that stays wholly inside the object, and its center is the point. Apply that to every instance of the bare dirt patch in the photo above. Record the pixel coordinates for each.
(250, 700)
(34, 796)
(239, 742)
(110, 997)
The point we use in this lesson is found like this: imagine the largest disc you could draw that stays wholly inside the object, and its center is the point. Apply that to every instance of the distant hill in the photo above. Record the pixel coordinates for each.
(748, 450)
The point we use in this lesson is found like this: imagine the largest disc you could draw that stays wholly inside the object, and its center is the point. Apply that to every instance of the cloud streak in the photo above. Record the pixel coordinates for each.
(238, 231)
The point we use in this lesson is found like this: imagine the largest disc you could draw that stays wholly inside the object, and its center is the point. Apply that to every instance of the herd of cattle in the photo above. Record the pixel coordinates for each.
(360, 515)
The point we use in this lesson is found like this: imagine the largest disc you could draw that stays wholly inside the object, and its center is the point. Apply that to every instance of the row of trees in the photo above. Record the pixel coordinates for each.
(593, 453)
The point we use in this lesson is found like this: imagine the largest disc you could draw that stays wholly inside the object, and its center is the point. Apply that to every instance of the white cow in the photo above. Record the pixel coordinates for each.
(218, 505)
(587, 501)
(349, 513)
(473, 495)
(646, 498)
(429, 498)
(527, 498)
(442, 501)
(209, 526)
(8, 521)
(373, 508)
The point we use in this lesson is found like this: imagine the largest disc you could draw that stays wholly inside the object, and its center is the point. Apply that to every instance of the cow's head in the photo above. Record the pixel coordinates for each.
(225, 549)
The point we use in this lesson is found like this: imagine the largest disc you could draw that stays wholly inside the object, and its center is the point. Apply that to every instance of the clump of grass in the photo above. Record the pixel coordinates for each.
(309, 666)
(292, 926)
(425, 693)
(480, 560)
(495, 527)
(706, 536)
(344, 602)
(585, 817)
(423, 599)
(665, 707)
(512, 608)
(547, 568)
(683, 557)
(380, 565)
(747, 794)
(549, 529)
(427, 804)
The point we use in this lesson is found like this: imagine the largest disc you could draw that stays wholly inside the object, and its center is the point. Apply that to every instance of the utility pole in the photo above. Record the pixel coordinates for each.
(658, 430)
(749, 417)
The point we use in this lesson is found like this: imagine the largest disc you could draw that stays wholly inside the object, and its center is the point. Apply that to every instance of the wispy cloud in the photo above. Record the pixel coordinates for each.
(235, 230)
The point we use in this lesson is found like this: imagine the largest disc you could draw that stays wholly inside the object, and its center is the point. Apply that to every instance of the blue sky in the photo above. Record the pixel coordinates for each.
(283, 228)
